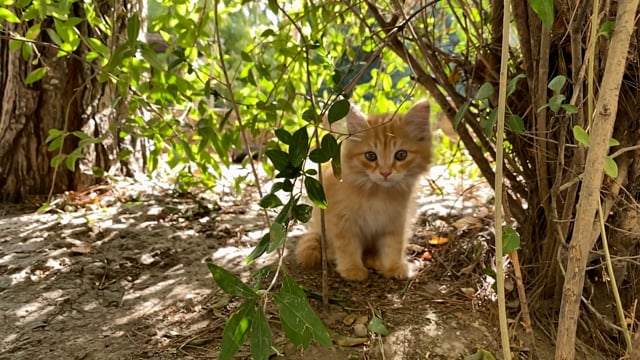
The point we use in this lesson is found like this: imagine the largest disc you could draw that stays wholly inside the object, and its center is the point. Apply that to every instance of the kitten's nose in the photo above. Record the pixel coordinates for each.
(385, 173)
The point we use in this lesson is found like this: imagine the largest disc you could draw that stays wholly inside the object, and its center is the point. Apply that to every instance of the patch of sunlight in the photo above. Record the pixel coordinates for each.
(7, 258)
(230, 252)
(31, 312)
(150, 290)
(139, 311)
(93, 305)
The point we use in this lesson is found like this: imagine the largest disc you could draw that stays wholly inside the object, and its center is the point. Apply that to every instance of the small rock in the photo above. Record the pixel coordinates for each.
(349, 319)
(360, 330)
(362, 319)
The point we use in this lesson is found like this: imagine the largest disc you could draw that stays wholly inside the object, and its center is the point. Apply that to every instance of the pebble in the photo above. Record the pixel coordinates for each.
(360, 330)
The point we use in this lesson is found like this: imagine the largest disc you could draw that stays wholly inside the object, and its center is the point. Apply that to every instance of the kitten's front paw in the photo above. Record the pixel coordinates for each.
(354, 273)
(400, 270)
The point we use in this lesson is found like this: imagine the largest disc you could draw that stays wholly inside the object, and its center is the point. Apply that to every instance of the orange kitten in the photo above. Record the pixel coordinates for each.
(368, 212)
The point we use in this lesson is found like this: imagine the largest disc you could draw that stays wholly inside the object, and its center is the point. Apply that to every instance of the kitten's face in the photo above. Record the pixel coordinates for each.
(387, 150)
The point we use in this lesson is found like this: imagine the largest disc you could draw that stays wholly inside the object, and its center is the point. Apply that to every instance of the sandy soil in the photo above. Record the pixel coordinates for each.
(120, 273)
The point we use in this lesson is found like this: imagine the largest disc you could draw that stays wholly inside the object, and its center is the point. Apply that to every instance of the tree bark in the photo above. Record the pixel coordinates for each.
(70, 98)
(581, 241)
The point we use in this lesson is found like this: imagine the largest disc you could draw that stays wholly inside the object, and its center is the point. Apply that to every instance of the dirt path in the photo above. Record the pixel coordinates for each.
(122, 275)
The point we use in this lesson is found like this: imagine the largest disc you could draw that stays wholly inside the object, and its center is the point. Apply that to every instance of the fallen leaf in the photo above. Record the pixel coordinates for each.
(438, 240)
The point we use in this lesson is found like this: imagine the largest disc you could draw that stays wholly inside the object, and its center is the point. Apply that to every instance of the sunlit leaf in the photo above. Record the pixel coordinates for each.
(510, 240)
(613, 142)
(35, 75)
(610, 167)
(544, 9)
(481, 354)
(237, 329)
(581, 135)
(9, 16)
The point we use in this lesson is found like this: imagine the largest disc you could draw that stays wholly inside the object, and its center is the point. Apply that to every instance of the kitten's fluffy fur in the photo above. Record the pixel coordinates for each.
(368, 212)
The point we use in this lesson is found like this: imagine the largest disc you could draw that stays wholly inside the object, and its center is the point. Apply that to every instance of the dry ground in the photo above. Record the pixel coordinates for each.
(120, 273)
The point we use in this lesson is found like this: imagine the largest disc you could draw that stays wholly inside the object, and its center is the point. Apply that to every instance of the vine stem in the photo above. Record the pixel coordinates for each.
(243, 135)
(614, 285)
(502, 97)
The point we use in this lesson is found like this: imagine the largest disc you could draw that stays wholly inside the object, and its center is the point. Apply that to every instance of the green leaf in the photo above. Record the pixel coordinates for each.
(544, 9)
(279, 159)
(330, 144)
(485, 91)
(153, 59)
(319, 156)
(133, 29)
(555, 103)
(510, 240)
(97, 46)
(481, 354)
(511, 86)
(289, 286)
(229, 282)
(516, 124)
(277, 235)
(284, 215)
(336, 166)
(460, 114)
(299, 147)
(557, 83)
(237, 329)
(302, 212)
(54, 133)
(606, 29)
(338, 110)
(270, 201)
(315, 192)
(35, 75)
(613, 142)
(284, 136)
(33, 32)
(581, 135)
(298, 319)
(610, 167)
(260, 336)
(260, 249)
(376, 325)
(309, 115)
(55, 144)
(571, 109)
(9, 16)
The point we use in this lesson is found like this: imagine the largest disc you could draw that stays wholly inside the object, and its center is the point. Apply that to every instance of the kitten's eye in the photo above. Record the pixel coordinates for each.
(371, 156)
(400, 155)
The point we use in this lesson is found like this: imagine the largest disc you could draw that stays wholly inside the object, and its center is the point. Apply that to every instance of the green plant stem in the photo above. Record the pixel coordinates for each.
(502, 97)
(612, 278)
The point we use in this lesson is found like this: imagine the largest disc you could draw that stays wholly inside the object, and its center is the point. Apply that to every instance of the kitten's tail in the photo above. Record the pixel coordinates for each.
(308, 250)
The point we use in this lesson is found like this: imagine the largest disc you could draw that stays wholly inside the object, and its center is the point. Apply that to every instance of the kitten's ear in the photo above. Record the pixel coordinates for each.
(356, 120)
(417, 120)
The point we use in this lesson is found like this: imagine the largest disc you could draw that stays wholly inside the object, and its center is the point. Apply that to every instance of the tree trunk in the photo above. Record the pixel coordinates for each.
(69, 97)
